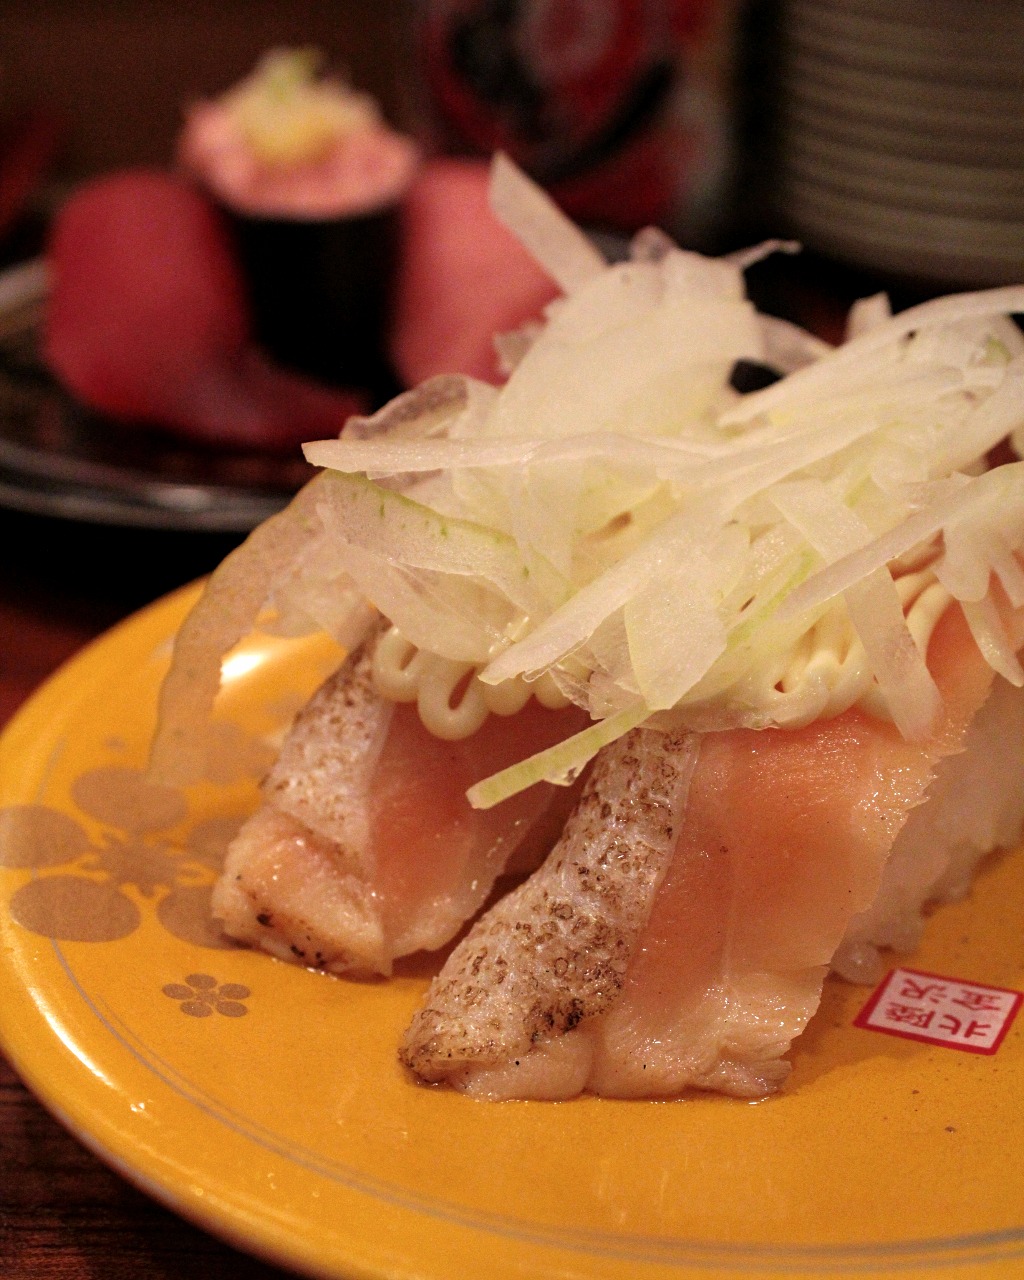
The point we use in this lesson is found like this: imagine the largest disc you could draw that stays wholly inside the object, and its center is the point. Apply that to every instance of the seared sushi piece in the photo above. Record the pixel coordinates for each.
(779, 616)
(679, 934)
(365, 848)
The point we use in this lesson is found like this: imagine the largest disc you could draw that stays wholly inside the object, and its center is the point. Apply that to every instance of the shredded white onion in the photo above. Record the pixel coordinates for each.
(616, 520)
(556, 242)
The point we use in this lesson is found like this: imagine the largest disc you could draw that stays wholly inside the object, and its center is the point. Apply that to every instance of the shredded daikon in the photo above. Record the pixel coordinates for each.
(616, 521)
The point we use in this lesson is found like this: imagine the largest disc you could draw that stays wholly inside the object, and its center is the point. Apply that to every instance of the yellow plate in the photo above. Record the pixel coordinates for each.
(266, 1103)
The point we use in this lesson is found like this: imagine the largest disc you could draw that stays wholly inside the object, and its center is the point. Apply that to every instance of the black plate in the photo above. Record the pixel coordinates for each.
(58, 459)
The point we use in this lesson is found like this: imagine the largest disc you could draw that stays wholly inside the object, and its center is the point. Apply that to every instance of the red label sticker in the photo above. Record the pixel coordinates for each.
(947, 1011)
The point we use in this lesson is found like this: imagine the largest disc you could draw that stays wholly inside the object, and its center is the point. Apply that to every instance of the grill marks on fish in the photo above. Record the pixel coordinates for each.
(555, 951)
(289, 892)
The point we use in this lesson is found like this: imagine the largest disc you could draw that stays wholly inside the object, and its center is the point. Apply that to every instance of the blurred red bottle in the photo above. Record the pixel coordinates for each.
(619, 107)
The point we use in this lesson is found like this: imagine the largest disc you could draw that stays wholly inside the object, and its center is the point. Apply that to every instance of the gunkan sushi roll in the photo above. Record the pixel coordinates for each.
(311, 176)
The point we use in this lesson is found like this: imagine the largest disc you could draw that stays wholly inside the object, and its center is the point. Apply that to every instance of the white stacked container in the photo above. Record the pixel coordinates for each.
(900, 135)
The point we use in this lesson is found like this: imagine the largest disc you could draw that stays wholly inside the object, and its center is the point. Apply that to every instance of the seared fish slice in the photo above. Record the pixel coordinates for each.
(366, 848)
(556, 950)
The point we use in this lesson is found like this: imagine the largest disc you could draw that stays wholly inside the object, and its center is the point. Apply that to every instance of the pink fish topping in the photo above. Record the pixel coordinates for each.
(366, 848)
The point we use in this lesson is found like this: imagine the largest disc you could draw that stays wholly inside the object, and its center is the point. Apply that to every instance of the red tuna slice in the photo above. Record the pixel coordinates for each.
(464, 277)
(148, 321)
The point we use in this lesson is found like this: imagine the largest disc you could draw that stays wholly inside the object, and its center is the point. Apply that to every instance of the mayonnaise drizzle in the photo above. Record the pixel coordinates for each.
(823, 674)
(452, 702)
(827, 670)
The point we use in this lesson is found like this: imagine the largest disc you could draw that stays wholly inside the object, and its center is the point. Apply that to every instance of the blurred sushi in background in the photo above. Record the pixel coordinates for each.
(311, 177)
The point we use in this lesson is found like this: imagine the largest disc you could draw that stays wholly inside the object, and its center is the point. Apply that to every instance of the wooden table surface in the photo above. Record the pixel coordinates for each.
(63, 1214)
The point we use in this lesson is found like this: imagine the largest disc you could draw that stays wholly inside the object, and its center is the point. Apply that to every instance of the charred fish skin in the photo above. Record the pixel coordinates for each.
(554, 952)
(330, 754)
(284, 889)
(294, 879)
(365, 847)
